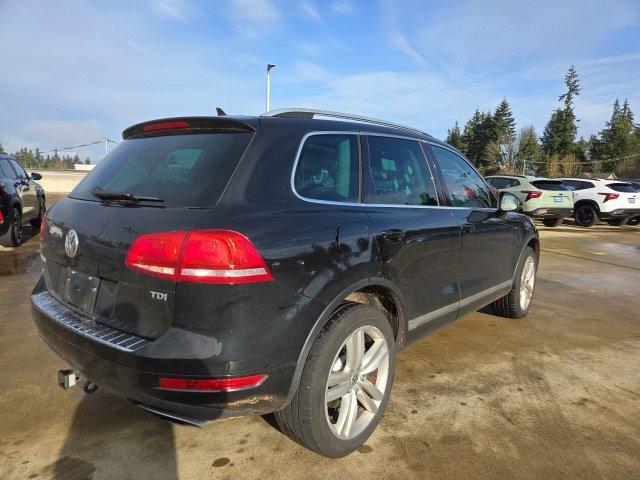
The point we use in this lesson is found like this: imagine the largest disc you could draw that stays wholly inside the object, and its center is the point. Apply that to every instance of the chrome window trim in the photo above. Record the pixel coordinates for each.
(354, 204)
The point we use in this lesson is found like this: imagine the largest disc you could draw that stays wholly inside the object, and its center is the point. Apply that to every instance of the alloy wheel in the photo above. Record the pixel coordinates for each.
(527, 281)
(357, 382)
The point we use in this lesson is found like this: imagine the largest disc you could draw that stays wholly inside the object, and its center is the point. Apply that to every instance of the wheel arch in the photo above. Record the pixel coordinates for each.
(586, 201)
(376, 292)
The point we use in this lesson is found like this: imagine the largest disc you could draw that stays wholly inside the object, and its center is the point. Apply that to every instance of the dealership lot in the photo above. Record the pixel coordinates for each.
(553, 395)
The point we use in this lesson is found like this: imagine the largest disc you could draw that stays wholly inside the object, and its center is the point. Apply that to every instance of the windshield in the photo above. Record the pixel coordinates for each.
(182, 170)
(550, 185)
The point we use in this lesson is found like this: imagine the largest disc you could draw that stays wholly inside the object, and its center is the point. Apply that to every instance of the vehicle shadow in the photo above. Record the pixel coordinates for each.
(117, 439)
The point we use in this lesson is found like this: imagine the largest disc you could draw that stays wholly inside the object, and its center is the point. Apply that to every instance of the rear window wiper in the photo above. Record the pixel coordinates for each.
(106, 195)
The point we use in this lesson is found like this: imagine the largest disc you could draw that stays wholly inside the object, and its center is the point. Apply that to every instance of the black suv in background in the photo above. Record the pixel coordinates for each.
(21, 200)
(223, 266)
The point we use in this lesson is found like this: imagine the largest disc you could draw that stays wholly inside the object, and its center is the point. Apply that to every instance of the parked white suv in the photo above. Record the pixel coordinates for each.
(609, 200)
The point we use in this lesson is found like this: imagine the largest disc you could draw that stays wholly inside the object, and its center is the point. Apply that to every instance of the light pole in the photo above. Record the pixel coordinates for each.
(269, 67)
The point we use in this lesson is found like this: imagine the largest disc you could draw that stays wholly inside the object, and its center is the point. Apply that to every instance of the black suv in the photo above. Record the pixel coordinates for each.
(21, 200)
(222, 266)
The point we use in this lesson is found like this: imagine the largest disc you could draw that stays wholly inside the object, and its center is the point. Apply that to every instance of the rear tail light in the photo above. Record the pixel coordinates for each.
(1, 217)
(532, 194)
(201, 256)
(211, 384)
(609, 196)
(43, 229)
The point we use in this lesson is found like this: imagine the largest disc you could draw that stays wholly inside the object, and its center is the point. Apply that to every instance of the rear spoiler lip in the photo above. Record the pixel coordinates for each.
(197, 125)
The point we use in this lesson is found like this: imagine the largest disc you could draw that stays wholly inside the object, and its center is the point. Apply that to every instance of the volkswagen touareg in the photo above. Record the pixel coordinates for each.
(220, 266)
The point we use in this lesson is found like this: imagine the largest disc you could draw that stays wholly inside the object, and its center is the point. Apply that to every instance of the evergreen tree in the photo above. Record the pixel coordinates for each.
(528, 153)
(1, 149)
(454, 137)
(618, 139)
(560, 132)
(87, 161)
(504, 125)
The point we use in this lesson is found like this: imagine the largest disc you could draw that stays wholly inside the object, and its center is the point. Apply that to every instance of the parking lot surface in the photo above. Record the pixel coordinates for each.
(554, 395)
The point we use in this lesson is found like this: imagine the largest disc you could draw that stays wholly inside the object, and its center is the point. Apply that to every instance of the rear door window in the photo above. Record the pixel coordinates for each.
(328, 168)
(184, 170)
(6, 170)
(466, 187)
(499, 182)
(397, 173)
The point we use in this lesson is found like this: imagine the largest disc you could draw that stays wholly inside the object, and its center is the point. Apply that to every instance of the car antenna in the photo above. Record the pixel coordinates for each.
(220, 112)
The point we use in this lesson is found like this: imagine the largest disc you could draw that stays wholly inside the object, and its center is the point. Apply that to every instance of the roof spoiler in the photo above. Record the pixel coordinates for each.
(182, 125)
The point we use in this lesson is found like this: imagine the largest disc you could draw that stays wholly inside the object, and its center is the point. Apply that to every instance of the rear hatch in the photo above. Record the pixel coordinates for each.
(554, 194)
(628, 196)
(164, 176)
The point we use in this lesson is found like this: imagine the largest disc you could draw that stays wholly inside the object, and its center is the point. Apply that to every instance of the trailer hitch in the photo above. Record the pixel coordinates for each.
(69, 378)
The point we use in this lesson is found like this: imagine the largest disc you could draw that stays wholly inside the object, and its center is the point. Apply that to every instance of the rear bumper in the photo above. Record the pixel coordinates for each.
(98, 361)
(621, 213)
(544, 212)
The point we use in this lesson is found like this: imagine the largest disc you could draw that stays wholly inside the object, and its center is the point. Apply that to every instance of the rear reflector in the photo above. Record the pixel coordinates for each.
(609, 196)
(201, 256)
(154, 127)
(211, 384)
(532, 194)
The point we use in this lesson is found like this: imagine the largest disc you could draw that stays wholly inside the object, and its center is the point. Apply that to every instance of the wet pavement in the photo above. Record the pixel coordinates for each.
(554, 395)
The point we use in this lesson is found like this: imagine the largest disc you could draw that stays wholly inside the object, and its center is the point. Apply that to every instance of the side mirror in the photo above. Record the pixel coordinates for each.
(509, 202)
(36, 176)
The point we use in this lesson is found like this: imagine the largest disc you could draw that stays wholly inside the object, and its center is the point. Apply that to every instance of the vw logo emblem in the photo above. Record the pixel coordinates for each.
(71, 243)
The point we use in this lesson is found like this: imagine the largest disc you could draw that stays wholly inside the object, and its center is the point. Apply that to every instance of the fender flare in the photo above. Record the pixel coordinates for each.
(326, 315)
(587, 201)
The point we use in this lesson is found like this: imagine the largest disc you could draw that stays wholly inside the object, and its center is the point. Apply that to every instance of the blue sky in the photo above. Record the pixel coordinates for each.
(77, 71)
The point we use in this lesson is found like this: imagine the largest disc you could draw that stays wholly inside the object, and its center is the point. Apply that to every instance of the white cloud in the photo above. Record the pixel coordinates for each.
(252, 18)
(342, 7)
(174, 9)
(310, 9)
(389, 14)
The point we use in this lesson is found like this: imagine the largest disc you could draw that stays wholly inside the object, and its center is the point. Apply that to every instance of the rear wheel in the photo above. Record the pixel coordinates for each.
(42, 209)
(345, 384)
(634, 221)
(13, 236)
(586, 216)
(552, 222)
(617, 222)
(517, 303)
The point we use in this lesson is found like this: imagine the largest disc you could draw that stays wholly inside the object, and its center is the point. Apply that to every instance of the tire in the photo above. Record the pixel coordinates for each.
(634, 221)
(316, 424)
(42, 209)
(552, 222)
(617, 222)
(586, 216)
(512, 305)
(13, 236)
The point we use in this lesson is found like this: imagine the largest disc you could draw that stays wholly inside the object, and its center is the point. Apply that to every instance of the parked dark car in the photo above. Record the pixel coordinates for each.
(21, 200)
(225, 266)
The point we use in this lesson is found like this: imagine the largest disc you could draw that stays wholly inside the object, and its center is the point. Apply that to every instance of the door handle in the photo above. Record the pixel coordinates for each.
(468, 228)
(394, 235)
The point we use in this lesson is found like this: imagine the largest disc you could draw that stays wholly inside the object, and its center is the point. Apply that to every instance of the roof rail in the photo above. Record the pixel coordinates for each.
(310, 113)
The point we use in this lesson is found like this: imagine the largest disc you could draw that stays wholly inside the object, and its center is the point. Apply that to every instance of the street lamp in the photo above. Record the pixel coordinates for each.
(269, 67)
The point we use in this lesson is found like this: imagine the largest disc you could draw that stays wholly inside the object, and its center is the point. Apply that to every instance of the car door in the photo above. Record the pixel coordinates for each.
(416, 237)
(485, 268)
(26, 190)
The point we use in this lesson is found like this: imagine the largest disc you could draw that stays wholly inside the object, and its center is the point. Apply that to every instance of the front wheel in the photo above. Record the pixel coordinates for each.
(634, 221)
(517, 303)
(552, 222)
(586, 216)
(345, 384)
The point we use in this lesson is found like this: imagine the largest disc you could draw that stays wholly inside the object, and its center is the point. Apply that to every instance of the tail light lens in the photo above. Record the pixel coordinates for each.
(532, 194)
(211, 384)
(155, 127)
(201, 256)
(609, 196)
(43, 229)
(1, 217)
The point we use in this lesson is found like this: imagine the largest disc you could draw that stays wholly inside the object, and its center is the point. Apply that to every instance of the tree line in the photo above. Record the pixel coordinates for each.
(491, 142)
(34, 159)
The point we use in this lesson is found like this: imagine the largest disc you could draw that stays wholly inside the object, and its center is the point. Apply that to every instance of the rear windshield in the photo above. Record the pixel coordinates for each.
(183, 170)
(549, 185)
(622, 187)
